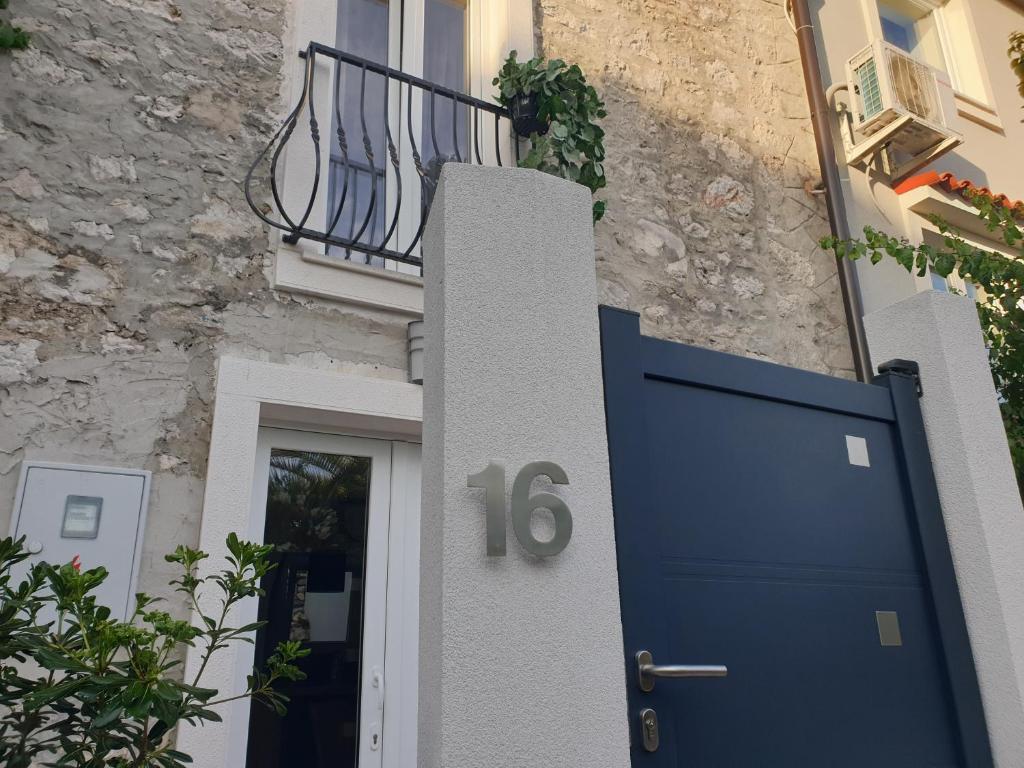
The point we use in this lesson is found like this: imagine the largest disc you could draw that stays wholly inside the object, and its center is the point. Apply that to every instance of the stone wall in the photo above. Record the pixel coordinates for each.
(128, 257)
(710, 233)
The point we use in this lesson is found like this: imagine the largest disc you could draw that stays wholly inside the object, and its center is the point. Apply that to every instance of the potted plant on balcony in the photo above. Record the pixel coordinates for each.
(554, 108)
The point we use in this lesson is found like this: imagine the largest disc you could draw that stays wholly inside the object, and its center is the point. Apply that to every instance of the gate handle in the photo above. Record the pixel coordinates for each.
(647, 670)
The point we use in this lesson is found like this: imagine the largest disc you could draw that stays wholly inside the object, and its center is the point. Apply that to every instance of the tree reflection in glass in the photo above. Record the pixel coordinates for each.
(317, 513)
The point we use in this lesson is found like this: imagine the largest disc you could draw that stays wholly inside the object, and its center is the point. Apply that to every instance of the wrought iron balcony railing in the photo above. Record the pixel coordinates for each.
(364, 188)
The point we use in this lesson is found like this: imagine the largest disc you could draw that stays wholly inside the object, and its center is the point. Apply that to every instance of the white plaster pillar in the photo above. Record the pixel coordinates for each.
(521, 656)
(980, 500)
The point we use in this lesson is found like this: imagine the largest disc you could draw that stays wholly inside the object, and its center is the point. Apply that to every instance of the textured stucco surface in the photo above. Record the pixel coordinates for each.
(710, 233)
(128, 258)
(521, 657)
(980, 500)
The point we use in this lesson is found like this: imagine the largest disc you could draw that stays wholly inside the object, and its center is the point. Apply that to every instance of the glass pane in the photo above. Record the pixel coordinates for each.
(938, 282)
(445, 123)
(898, 34)
(911, 27)
(317, 513)
(362, 31)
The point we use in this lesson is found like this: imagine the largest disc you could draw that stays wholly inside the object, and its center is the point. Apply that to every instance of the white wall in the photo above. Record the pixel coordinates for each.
(980, 500)
(521, 657)
(987, 114)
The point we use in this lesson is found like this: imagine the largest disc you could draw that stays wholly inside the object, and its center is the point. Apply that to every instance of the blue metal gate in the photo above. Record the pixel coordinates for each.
(785, 525)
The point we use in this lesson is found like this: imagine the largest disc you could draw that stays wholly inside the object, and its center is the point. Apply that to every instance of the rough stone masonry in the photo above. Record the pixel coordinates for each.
(129, 260)
(710, 233)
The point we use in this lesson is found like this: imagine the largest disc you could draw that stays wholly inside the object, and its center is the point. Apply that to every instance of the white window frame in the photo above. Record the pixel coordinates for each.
(493, 30)
(251, 395)
(927, 7)
(922, 230)
(975, 108)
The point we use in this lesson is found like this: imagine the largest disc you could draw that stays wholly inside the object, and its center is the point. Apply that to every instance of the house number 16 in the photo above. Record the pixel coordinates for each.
(492, 480)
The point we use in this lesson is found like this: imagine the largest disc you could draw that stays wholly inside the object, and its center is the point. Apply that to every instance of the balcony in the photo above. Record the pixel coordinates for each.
(356, 163)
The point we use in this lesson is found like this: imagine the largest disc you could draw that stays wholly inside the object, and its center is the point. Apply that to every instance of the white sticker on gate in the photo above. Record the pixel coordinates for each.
(857, 450)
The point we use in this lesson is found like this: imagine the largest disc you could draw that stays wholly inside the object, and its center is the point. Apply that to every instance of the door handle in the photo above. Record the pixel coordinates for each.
(647, 670)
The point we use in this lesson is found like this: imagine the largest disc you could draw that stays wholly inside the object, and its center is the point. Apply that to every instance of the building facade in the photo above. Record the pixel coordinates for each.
(132, 262)
(149, 320)
(977, 104)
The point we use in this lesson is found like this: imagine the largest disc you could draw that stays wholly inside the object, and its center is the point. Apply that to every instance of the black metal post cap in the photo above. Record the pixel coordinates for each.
(906, 367)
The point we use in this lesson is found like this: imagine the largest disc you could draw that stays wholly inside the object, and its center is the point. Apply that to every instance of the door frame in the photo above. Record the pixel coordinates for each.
(250, 394)
(389, 667)
(629, 358)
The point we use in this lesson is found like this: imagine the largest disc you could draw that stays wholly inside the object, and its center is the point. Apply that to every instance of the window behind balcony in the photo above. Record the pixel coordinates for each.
(363, 31)
(435, 48)
(444, 63)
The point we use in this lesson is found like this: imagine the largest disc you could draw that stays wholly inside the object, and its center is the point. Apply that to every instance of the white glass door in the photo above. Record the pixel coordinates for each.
(325, 503)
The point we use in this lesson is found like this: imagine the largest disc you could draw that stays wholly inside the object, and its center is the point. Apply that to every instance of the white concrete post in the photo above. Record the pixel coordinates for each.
(978, 490)
(521, 656)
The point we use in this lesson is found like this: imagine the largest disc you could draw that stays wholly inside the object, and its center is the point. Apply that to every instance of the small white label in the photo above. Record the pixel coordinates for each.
(857, 450)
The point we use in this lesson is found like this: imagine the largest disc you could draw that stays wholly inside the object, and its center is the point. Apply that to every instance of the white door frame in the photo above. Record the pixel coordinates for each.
(250, 394)
(402, 636)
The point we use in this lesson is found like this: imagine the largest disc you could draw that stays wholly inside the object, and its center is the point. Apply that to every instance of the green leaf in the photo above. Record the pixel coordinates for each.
(208, 714)
(50, 659)
(106, 718)
(203, 694)
(12, 38)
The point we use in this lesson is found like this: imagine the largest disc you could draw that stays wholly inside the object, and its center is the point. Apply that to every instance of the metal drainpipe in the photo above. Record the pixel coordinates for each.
(833, 186)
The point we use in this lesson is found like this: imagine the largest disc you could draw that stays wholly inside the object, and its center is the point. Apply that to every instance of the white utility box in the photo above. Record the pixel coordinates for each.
(888, 83)
(96, 513)
(900, 114)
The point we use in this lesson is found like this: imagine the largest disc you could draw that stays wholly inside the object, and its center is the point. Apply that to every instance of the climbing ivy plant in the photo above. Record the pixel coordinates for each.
(1016, 54)
(11, 37)
(1001, 279)
(573, 144)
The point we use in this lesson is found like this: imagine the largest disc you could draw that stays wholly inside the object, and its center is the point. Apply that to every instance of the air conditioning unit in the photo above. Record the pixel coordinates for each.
(888, 85)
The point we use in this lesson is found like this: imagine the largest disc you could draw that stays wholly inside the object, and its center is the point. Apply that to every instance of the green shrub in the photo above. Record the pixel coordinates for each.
(11, 37)
(79, 687)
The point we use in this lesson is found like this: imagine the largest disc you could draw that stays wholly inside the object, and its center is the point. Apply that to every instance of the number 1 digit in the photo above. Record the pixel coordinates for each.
(492, 480)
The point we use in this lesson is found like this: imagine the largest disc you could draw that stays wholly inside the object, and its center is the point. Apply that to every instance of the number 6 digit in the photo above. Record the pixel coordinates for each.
(524, 505)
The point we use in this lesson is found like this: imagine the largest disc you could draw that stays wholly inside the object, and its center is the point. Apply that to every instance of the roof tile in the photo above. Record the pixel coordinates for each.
(963, 187)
